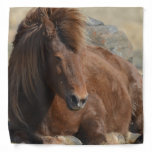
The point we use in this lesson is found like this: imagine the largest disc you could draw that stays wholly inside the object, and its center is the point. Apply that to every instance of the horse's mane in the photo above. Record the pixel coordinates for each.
(67, 22)
(28, 59)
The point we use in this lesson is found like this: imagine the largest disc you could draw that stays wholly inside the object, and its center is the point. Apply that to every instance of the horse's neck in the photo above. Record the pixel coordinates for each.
(60, 119)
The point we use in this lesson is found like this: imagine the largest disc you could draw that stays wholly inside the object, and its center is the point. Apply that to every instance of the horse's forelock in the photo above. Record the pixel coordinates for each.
(67, 22)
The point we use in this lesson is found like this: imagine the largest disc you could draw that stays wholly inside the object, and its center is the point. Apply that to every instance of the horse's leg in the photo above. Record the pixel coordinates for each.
(44, 132)
(92, 127)
(65, 140)
(136, 124)
(91, 132)
(95, 124)
(23, 135)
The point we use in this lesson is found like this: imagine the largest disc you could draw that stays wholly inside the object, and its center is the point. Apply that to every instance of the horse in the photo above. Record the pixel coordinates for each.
(61, 86)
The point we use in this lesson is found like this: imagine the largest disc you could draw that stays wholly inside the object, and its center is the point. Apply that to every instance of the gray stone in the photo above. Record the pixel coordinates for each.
(137, 59)
(91, 21)
(109, 37)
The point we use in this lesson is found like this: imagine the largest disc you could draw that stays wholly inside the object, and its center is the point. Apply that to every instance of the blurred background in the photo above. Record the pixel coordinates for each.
(129, 20)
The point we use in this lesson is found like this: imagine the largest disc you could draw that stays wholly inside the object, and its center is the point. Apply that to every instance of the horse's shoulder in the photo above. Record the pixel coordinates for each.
(117, 62)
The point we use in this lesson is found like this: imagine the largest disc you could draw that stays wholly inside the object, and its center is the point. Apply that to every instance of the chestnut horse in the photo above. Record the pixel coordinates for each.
(58, 85)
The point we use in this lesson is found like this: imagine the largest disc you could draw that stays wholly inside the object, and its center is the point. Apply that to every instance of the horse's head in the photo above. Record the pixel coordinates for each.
(65, 74)
(65, 61)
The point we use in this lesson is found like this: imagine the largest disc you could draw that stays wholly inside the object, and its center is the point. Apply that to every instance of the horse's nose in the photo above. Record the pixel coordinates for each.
(75, 103)
(79, 102)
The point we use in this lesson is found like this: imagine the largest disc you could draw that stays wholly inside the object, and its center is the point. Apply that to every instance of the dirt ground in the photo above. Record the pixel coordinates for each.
(129, 20)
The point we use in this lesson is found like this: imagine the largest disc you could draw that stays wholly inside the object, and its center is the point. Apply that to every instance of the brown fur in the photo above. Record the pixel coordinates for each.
(50, 64)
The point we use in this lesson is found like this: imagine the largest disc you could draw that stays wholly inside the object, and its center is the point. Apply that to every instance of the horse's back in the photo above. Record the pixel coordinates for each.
(117, 83)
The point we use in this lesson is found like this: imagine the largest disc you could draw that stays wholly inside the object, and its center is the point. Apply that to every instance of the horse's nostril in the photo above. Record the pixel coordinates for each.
(74, 99)
(83, 100)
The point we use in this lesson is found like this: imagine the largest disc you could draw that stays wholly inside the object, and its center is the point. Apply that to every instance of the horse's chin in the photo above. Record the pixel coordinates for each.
(73, 107)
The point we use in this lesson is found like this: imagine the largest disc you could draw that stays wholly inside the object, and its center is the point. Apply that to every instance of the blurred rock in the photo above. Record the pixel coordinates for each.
(137, 59)
(91, 21)
(109, 37)
(128, 19)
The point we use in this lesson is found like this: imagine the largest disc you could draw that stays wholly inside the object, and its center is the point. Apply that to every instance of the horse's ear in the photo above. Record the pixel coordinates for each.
(49, 29)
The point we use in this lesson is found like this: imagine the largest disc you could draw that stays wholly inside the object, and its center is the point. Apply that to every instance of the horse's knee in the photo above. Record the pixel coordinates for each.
(92, 132)
(136, 124)
(88, 139)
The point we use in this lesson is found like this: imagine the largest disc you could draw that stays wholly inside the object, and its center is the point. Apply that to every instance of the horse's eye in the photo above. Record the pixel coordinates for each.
(58, 58)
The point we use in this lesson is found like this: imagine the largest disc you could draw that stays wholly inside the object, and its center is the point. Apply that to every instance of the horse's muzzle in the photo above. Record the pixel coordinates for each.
(74, 103)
